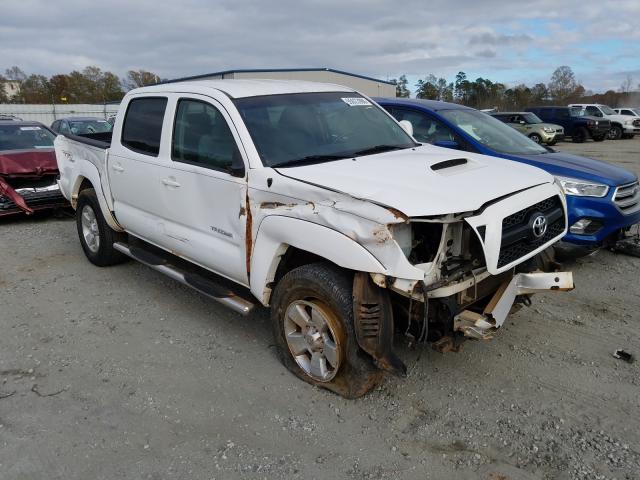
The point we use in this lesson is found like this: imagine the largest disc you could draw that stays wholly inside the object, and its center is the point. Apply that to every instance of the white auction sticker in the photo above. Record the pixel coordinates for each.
(356, 101)
(30, 128)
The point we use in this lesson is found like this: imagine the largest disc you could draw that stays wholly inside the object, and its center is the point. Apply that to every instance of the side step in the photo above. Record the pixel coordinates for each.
(193, 280)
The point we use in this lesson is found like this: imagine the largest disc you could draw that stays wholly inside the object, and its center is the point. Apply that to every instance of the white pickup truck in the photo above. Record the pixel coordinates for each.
(310, 199)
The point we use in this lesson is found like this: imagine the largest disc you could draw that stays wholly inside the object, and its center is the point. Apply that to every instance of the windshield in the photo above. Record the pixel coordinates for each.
(606, 110)
(317, 127)
(80, 127)
(531, 118)
(492, 133)
(25, 137)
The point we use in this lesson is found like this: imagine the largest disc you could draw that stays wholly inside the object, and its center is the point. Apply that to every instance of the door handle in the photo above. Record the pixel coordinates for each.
(117, 168)
(170, 183)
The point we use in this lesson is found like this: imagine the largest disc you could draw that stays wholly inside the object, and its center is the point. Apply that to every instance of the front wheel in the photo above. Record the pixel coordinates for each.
(580, 135)
(313, 327)
(615, 133)
(551, 143)
(535, 137)
(599, 138)
(96, 236)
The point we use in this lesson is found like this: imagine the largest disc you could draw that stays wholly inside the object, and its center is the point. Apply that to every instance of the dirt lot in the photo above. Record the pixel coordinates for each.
(120, 373)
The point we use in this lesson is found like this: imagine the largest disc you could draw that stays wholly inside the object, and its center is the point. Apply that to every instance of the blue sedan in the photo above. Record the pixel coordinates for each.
(602, 199)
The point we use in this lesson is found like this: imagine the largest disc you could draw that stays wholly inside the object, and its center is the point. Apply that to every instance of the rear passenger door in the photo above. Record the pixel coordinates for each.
(135, 167)
(204, 189)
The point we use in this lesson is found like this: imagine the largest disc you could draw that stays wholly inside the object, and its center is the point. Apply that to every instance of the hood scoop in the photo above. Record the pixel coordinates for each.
(455, 162)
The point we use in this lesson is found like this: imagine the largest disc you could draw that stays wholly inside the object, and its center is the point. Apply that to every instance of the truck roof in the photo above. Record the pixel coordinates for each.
(245, 88)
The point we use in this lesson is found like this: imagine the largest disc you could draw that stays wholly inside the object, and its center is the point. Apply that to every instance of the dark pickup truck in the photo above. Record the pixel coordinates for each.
(576, 126)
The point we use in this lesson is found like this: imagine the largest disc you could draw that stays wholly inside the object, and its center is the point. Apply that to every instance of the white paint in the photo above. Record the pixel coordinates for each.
(338, 210)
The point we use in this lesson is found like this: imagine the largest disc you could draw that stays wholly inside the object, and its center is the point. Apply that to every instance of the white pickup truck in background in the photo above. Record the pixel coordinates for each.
(310, 199)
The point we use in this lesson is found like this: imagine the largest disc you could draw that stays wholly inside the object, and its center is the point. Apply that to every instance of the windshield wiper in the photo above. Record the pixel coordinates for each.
(309, 160)
(378, 149)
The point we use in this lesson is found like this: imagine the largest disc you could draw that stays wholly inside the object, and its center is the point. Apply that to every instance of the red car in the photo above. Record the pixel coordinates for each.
(28, 169)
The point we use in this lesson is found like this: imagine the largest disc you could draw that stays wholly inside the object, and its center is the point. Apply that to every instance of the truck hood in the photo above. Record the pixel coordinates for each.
(584, 168)
(406, 181)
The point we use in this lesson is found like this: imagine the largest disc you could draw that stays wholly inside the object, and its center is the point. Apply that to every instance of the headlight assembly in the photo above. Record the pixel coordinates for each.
(401, 233)
(548, 129)
(579, 188)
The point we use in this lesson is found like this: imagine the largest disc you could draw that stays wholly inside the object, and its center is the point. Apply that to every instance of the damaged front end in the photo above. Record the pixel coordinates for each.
(477, 266)
(28, 183)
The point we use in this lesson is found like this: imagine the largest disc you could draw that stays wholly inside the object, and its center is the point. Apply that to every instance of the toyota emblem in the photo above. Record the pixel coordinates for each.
(539, 226)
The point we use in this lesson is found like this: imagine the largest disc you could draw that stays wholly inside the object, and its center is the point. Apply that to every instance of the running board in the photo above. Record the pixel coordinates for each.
(193, 280)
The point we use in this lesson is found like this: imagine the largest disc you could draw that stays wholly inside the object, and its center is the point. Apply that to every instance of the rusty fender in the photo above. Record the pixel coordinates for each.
(373, 319)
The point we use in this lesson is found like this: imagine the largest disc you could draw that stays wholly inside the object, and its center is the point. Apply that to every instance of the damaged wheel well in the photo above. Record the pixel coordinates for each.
(294, 258)
(86, 183)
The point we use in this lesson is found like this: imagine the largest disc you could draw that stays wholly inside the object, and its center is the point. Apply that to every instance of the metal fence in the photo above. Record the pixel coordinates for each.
(47, 113)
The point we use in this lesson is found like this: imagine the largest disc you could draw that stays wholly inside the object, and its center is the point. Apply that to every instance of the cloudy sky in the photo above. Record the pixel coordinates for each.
(506, 41)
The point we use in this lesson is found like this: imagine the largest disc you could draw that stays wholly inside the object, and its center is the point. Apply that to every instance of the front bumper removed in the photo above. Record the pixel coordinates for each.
(483, 326)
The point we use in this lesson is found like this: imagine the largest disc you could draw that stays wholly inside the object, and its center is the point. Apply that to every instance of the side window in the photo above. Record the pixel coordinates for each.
(626, 112)
(425, 128)
(595, 111)
(54, 126)
(64, 127)
(143, 125)
(201, 136)
(562, 113)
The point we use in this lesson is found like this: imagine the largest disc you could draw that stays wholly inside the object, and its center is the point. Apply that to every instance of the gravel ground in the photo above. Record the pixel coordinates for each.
(120, 373)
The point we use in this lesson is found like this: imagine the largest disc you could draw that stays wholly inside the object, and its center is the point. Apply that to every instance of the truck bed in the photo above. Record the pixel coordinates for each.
(100, 140)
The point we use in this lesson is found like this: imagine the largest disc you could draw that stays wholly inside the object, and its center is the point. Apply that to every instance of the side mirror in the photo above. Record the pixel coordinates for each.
(447, 144)
(406, 126)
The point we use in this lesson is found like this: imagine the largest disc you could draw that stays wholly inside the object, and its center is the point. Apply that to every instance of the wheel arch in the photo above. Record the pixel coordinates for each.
(90, 178)
(283, 243)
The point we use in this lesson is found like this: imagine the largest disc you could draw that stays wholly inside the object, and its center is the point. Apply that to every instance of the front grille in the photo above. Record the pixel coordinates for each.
(517, 233)
(627, 198)
(35, 200)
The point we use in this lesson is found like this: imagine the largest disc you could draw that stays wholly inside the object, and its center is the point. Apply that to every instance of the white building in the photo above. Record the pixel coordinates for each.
(367, 85)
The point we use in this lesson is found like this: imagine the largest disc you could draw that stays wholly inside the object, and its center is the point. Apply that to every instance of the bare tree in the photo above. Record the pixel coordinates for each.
(140, 78)
(627, 85)
(563, 84)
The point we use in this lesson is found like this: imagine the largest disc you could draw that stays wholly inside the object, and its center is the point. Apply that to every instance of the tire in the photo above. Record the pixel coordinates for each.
(535, 137)
(324, 291)
(552, 142)
(599, 138)
(615, 132)
(580, 135)
(96, 236)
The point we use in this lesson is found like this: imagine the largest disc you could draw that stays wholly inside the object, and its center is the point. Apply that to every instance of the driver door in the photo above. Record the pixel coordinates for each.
(204, 188)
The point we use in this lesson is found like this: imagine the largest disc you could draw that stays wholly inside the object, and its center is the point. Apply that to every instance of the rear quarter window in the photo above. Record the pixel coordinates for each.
(142, 128)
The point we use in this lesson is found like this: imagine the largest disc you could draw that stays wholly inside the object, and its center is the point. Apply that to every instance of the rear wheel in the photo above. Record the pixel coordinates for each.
(599, 138)
(615, 132)
(535, 137)
(313, 327)
(580, 135)
(96, 236)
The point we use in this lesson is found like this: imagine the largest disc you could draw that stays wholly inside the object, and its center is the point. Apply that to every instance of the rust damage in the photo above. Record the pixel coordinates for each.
(398, 214)
(248, 237)
(288, 206)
